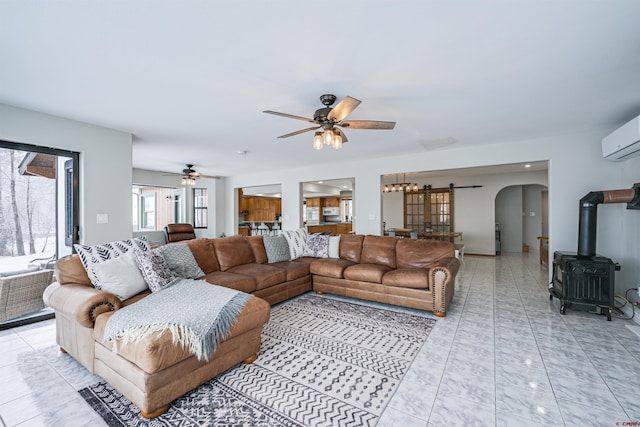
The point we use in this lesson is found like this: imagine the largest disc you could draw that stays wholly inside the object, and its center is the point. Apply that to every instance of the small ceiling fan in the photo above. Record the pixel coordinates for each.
(330, 119)
(189, 175)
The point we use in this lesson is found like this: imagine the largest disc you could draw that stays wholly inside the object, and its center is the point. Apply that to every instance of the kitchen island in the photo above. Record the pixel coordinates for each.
(331, 227)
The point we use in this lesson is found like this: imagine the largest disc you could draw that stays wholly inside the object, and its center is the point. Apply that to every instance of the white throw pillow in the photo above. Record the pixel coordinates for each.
(297, 240)
(120, 276)
(96, 254)
(334, 246)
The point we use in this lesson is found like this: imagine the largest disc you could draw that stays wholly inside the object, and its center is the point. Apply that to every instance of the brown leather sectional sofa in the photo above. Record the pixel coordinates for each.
(151, 374)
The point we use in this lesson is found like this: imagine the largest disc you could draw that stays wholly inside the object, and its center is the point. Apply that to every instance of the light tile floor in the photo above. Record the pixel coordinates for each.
(503, 356)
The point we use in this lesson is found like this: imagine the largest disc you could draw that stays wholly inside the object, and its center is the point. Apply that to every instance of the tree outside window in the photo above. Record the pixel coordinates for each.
(200, 208)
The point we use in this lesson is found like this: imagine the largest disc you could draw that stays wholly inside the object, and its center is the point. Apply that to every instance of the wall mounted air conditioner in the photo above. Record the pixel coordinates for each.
(624, 142)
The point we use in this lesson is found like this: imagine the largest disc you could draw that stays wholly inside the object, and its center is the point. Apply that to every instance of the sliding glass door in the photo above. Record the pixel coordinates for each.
(38, 213)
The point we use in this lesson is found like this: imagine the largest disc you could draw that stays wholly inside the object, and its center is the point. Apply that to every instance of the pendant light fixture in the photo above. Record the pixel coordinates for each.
(400, 186)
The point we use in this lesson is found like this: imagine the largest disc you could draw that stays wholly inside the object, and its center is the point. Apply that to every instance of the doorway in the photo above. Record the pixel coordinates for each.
(521, 213)
(38, 218)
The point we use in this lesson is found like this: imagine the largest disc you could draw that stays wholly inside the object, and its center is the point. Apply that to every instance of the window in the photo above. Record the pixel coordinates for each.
(155, 207)
(148, 211)
(200, 208)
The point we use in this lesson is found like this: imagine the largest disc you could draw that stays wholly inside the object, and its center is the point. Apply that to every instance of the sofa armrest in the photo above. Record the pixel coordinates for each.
(80, 302)
(442, 283)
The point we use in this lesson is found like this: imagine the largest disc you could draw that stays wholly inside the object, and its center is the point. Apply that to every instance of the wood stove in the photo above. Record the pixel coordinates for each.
(584, 279)
(584, 282)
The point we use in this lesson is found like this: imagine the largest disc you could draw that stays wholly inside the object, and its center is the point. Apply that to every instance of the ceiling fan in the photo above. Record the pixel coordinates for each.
(189, 175)
(330, 119)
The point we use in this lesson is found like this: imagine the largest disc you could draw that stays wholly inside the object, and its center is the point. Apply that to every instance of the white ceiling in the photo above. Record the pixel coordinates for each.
(190, 79)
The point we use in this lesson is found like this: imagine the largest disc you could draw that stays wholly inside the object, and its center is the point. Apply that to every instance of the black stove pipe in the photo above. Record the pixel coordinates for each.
(588, 221)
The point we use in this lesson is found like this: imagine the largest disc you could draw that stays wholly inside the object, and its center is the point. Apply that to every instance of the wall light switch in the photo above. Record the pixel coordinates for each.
(102, 219)
(372, 217)
(532, 214)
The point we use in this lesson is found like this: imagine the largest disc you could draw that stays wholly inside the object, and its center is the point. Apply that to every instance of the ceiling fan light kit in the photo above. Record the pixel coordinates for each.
(188, 181)
(329, 119)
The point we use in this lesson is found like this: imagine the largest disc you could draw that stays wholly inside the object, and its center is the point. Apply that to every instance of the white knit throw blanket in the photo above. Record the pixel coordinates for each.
(198, 314)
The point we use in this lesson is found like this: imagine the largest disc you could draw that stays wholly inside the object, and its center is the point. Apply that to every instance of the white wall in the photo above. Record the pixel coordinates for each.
(509, 216)
(532, 219)
(393, 210)
(105, 166)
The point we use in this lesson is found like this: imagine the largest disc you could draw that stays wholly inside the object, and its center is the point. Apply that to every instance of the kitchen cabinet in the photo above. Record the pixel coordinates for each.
(331, 202)
(321, 229)
(260, 208)
(313, 202)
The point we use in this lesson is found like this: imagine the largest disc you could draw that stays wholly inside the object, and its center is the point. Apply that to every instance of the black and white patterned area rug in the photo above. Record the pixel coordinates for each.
(323, 362)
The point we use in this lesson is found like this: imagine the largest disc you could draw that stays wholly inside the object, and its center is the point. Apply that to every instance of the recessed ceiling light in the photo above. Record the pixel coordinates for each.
(242, 152)
(320, 182)
(527, 166)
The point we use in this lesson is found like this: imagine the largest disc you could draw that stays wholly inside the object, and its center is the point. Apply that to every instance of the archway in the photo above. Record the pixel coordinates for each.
(521, 213)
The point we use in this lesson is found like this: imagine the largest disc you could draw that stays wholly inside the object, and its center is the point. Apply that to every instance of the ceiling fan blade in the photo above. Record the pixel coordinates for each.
(343, 109)
(209, 176)
(342, 135)
(291, 116)
(367, 124)
(298, 132)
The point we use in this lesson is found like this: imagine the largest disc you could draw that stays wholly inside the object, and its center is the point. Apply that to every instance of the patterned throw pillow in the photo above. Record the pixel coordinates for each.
(297, 240)
(334, 246)
(317, 246)
(154, 269)
(96, 254)
(181, 260)
(119, 276)
(277, 248)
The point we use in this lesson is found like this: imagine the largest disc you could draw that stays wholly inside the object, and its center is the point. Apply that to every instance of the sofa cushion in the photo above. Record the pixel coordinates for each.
(69, 270)
(351, 247)
(317, 246)
(264, 274)
(119, 276)
(379, 250)
(294, 269)
(366, 272)
(330, 267)
(181, 261)
(154, 269)
(258, 249)
(277, 248)
(233, 251)
(157, 351)
(205, 255)
(407, 278)
(297, 240)
(421, 253)
(306, 259)
(94, 254)
(230, 280)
